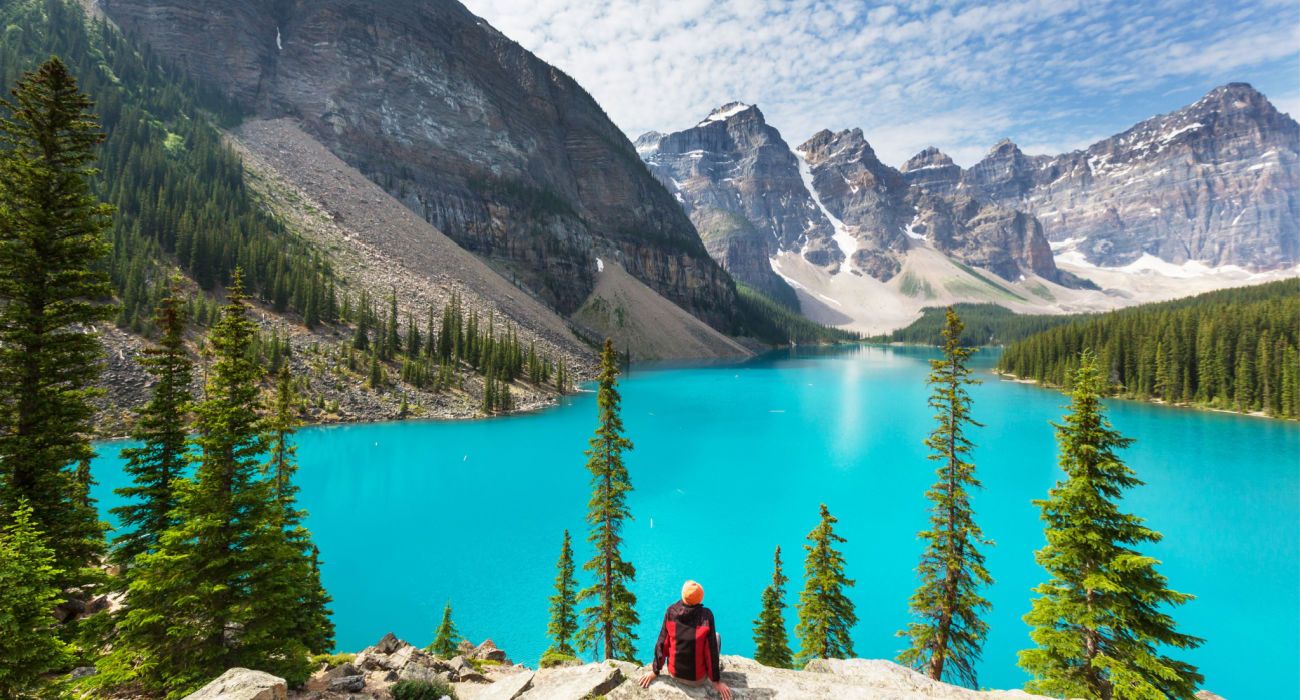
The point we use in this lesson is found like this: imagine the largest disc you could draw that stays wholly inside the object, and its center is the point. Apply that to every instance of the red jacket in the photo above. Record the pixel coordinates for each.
(688, 644)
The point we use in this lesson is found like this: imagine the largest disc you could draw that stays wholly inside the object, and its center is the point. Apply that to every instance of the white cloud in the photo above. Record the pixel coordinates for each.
(954, 75)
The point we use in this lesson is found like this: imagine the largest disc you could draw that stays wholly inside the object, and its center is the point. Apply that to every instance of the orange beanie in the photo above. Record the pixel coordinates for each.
(692, 593)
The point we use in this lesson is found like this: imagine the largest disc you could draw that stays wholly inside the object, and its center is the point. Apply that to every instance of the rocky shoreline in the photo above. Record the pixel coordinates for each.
(484, 672)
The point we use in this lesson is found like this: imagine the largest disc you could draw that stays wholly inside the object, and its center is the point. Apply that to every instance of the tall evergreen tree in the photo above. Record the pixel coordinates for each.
(826, 614)
(948, 633)
(30, 646)
(610, 620)
(300, 574)
(445, 638)
(161, 430)
(564, 620)
(52, 292)
(1100, 621)
(771, 644)
(223, 568)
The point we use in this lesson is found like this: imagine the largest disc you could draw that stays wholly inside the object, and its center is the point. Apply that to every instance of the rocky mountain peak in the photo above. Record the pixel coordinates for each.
(933, 171)
(848, 144)
(929, 157)
(739, 182)
(732, 110)
(1004, 175)
(1217, 181)
(647, 143)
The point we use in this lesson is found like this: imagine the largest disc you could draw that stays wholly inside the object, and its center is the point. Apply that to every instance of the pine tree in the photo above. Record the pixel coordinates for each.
(1100, 622)
(771, 644)
(52, 284)
(300, 562)
(825, 612)
(445, 638)
(610, 620)
(564, 621)
(946, 638)
(30, 646)
(375, 379)
(223, 568)
(392, 342)
(162, 430)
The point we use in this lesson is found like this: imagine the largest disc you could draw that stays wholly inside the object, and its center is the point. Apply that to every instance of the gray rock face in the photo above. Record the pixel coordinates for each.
(739, 182)
(501, 151)
(932, 170)
(573, 682)
(1003, 241)
(832, 200)
(859, 190)
(242, 684)
(1004, 175)
(887, 214)
(1217, 181)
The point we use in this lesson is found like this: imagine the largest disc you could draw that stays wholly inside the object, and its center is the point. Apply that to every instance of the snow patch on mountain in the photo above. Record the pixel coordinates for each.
(843, 239)
(724, 112)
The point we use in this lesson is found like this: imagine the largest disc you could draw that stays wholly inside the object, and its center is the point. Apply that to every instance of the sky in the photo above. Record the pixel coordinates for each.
(1052, 75)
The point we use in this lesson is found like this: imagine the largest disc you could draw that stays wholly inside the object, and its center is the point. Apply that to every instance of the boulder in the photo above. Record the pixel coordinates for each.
(573, 682)
(507, 687)
(904, 683)
(854, 679)
(487, 651)
(348, 684)
(1207, 695)
(424, 673)
(345, 669)
(392, 654)
(242, 684)
(388, 644)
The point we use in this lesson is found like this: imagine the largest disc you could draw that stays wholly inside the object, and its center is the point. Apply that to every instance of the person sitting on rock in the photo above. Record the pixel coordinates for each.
(689, 644)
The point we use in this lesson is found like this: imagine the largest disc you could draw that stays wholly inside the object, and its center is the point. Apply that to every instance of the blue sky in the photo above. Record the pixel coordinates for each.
(1052, 75)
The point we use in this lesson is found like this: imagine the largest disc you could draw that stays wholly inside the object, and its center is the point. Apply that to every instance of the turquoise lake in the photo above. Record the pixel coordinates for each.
(733, 460)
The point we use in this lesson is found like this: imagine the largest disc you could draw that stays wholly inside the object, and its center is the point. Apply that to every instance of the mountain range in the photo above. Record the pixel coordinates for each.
(1206, 196)
(513, 161)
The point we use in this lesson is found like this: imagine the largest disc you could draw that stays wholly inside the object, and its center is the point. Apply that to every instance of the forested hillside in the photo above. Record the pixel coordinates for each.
(185, 202)
(985, 324)
(770, 322)
(180, 193)
(1236, 349)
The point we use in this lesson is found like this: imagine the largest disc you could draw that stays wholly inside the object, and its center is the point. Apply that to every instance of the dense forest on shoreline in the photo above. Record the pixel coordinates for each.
(986, 325)
(1233, 349)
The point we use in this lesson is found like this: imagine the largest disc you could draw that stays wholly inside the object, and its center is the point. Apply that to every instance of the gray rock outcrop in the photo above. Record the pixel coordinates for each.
(932, 170)
(832, 201)
(242, 684)
(739, 182)
(575, 682)
(1217, 181)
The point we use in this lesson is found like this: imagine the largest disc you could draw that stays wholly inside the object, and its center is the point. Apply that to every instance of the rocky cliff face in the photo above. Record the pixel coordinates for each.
(831, 201)
(932, 170)
(739, 182)
(1216, 182)
(1003, 241)
(499, 150)
(864, 194)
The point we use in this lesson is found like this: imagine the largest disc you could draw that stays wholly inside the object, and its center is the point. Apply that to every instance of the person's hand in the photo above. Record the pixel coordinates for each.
(649, 678)
(723, 690)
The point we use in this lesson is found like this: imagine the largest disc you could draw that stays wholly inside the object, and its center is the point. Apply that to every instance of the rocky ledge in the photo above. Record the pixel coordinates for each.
(484, 672)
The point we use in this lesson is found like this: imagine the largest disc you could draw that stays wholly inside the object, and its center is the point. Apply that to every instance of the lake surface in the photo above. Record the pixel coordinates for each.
(731, 461)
